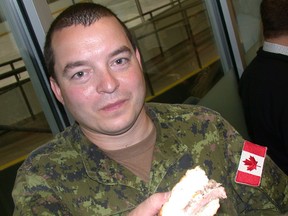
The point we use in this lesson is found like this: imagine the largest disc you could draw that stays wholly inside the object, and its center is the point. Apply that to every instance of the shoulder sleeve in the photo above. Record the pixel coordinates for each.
(270, 198)
(33, 195)
(275, 184)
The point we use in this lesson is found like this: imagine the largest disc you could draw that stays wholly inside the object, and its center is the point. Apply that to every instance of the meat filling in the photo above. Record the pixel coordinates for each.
(211, 191)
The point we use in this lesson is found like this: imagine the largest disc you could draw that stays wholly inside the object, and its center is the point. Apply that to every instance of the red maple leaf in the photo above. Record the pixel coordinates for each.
(251, 163)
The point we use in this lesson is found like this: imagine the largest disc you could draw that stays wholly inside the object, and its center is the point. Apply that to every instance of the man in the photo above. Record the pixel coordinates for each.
(123, 156)
(263, 85)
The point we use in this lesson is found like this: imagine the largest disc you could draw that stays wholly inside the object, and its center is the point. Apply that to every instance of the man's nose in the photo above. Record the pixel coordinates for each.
(107, 83)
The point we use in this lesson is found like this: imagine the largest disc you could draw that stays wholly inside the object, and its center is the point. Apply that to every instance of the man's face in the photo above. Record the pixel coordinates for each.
(99, 76)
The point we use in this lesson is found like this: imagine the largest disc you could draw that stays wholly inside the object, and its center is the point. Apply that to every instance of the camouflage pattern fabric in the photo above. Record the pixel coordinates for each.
(71, 176)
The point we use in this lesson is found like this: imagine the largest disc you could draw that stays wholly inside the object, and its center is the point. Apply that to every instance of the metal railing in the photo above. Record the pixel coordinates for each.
(15, 72)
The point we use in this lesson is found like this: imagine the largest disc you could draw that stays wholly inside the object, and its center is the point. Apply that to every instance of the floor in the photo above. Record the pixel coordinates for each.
(15, 145)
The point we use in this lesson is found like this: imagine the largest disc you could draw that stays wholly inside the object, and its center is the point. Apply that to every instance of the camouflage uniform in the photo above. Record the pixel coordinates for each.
(71, 176)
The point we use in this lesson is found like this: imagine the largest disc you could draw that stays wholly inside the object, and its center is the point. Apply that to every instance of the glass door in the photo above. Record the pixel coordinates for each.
(23, 124)
(244, 30)
(30, 115)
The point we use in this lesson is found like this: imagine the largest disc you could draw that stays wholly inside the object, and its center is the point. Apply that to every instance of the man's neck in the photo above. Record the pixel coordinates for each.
(138, 132)
(281, 40)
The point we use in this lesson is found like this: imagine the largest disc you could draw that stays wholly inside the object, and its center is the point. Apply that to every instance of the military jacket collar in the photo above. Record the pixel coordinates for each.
(101, 168)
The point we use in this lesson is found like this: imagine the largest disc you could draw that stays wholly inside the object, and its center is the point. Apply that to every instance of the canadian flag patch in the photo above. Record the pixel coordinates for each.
(251, 164)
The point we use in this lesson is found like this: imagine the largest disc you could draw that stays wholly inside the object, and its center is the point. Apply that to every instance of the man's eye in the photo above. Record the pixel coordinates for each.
(78, 75)
(121, 61)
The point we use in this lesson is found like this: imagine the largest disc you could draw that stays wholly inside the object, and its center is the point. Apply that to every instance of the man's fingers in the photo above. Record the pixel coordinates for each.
(157, 200)
(152, 205)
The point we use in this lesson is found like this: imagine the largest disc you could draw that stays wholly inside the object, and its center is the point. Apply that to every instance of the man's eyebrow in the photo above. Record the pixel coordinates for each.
(75, 64)
(120, 50)
(72, 65)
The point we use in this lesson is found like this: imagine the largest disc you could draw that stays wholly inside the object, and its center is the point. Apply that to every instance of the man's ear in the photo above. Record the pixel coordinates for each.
(56, 89)
(138, 56)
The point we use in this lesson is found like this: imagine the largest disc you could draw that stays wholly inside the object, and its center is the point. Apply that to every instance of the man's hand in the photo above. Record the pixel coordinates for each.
(151, 206)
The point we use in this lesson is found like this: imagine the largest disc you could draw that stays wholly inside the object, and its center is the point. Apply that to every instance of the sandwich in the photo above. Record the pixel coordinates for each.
(193, 195)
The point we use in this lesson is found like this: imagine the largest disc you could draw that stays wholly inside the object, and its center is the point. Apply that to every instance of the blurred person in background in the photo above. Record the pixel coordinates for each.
(264, 85)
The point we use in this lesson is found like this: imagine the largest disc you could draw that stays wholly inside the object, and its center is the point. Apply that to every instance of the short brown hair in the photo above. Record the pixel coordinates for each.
(274, 14)
(78, 14)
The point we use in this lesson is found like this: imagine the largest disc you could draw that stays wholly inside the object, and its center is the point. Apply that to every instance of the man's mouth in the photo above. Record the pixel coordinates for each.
(113, 106)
